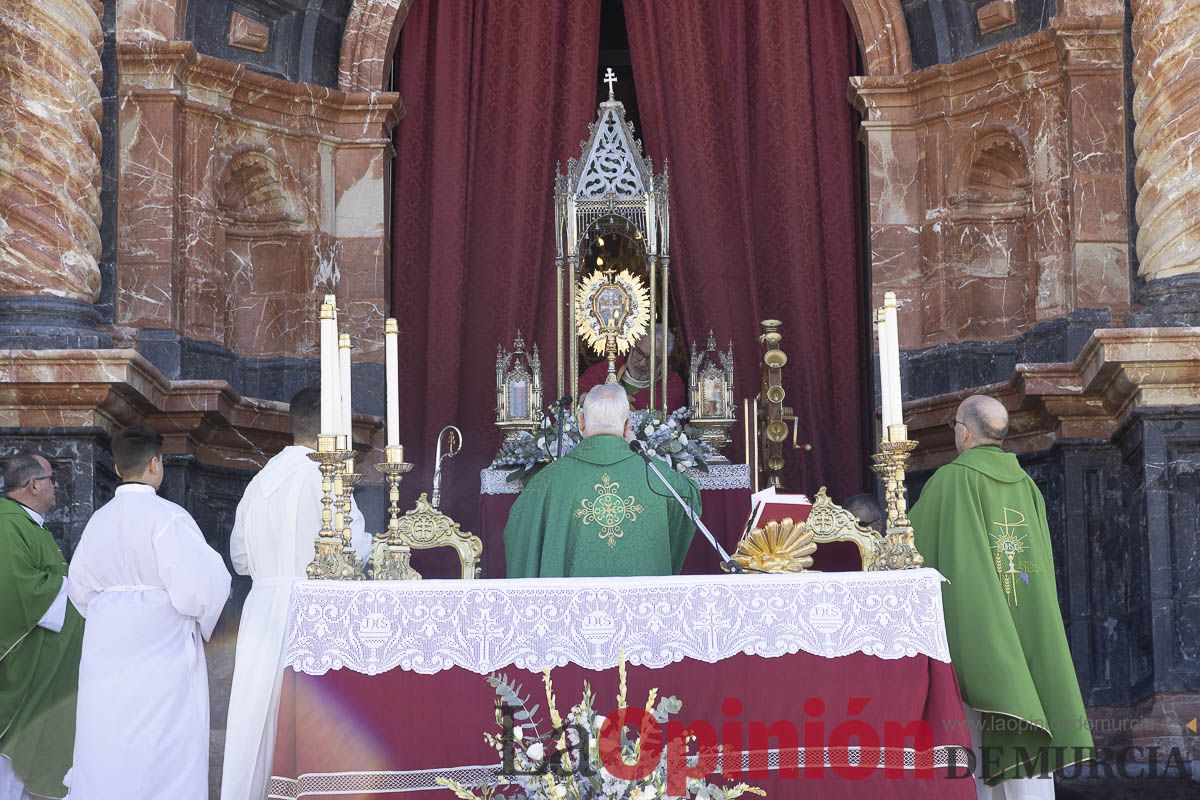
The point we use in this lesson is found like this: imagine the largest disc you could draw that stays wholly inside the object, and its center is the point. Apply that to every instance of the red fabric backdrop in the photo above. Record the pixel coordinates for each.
(747, 101)
(496, 92)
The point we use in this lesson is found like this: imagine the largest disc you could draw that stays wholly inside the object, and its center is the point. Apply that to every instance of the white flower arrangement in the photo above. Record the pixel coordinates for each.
(565, 760)
(666, 437)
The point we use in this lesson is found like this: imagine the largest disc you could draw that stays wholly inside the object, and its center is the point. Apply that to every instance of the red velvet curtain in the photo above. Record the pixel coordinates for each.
(496, 92)
(747, 101)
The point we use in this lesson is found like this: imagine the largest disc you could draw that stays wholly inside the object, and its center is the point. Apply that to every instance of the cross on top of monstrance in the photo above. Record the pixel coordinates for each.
(610, 78)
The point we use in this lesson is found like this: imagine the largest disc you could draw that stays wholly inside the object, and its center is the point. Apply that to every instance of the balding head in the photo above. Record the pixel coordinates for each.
(981, 420)
(605, 410)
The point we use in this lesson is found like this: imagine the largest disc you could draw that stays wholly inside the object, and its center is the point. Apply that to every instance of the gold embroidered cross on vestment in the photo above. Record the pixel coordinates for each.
(609, 510)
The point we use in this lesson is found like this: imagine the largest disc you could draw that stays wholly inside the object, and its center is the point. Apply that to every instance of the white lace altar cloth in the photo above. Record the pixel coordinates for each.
(719, 476)
(486, 625)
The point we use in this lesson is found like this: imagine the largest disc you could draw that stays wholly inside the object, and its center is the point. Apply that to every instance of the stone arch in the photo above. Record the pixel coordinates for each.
(373, 28)
(882, 36)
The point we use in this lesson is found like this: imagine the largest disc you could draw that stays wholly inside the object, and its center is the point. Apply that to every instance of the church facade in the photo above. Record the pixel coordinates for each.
(184, 179)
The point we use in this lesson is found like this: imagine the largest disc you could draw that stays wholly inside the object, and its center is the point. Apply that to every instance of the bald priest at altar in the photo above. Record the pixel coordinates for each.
(599, 511)
(633, 372)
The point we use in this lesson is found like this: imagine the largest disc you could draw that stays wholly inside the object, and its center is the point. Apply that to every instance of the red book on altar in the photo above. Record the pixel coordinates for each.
(772, 506)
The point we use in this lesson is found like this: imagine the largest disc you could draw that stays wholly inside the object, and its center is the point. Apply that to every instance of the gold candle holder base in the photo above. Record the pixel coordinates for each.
(390, 558)
(899, 546)
(330, 561)
(350, 479)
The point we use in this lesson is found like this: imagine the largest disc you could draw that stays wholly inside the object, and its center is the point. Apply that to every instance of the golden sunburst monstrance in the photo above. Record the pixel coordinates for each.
(612, 312)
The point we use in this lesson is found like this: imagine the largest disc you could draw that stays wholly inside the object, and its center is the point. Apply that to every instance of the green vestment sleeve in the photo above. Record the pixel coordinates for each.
(981, 522)
(39, 669)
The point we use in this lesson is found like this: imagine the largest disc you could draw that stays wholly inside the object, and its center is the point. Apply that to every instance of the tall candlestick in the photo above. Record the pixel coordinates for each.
(329, 371)
(344, 386)
(391, 335)
(885, 390)
(889, 312)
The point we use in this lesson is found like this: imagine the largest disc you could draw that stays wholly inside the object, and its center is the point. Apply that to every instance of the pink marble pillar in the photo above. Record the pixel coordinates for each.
(1166, 107)
(50, 113)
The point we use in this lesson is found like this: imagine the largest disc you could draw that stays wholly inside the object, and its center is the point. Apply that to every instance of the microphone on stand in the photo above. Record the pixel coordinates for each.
(727, 563)
(563, 404)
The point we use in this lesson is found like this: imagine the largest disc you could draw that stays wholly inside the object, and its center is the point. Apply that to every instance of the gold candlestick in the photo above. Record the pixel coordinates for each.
(390, 557)
(899, 546)
(329, 558)
(350, 479)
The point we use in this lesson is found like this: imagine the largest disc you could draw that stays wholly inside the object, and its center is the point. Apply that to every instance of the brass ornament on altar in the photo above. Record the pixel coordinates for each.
(830, 522)
(390, 557)
(612, 313)
(334, 558)
(518, 389)
(713, 410)
(768, 420)
(425, 527)
(899, 546)
(779, 546)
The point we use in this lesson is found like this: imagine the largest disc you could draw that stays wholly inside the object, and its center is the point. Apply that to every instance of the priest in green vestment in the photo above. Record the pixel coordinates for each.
(981, 522)
(599, 510)
(40, 638)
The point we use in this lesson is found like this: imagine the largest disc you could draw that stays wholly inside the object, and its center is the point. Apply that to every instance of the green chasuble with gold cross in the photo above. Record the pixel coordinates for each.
(599, 511)
(39, 669)
(981, 522)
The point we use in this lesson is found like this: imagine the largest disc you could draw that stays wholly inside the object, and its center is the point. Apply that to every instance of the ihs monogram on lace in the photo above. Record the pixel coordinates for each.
(609, 510)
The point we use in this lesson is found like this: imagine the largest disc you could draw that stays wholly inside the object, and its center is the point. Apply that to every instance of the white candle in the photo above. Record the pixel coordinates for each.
(391, 335)
(885, 394)
(889, 312)
(344, 387)
(329, 370)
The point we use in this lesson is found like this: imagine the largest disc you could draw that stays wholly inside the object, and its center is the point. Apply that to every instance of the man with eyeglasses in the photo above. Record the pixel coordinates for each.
(981, 521)
(40, 638)
(633, 373)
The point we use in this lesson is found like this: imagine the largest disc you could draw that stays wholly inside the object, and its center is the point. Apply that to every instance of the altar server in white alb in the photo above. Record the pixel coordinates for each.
(151, 590)
(273, 533)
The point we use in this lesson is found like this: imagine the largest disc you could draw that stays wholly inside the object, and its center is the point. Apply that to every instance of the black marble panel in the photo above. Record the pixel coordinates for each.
(945, 31)
(304, 39)
(261, 378)
(83, 467)
(1169, 302)
(1166, 590)
(109, 164)
(44, 322)
(952, 367)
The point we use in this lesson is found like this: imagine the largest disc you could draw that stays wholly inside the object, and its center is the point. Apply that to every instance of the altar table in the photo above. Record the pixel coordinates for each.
(386, 682)
(724, 495)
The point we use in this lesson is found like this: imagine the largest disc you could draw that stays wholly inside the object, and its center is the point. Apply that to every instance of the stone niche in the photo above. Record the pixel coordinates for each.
(243, 199)
(989, 233)
(997, 185)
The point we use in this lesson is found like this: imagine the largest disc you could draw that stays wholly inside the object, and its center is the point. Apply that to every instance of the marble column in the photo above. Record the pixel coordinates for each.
(1166, 107)
(50, 114)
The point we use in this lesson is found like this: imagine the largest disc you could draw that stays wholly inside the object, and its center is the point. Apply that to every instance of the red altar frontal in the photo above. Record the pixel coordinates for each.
(849, 674)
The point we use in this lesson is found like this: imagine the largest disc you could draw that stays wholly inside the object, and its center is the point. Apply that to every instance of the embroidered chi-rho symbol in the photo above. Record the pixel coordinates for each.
(1007, 545)
(608, 510)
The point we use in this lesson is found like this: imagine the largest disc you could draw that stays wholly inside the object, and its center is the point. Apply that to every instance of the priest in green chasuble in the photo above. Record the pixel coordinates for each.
(599, 510)
(981, 522)
(41, 635)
